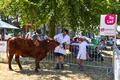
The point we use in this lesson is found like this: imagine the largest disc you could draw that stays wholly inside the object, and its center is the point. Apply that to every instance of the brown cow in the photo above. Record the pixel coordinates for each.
(29, 48)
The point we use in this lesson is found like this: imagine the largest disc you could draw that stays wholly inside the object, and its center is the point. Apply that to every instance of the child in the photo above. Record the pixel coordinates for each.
(82, 52)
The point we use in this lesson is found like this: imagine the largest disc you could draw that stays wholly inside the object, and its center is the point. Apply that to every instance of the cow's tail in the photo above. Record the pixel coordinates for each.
(7, 52)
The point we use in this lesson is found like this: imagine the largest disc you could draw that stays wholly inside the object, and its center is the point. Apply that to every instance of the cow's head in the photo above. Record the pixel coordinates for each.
(52, 43)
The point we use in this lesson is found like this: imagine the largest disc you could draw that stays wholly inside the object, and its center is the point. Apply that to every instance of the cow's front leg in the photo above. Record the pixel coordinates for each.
(10, 59)
(18, 61)
(37, 64)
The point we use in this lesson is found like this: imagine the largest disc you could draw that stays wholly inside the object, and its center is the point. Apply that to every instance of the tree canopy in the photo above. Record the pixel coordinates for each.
(73, 14)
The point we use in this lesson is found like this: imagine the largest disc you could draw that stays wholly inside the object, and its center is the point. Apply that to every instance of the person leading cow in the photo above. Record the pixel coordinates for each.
(63, 39)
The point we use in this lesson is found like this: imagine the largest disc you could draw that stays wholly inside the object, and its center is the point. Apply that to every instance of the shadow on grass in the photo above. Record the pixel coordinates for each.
(48, 70)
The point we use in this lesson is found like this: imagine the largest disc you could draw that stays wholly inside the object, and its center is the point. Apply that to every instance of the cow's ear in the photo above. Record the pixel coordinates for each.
(47, 40)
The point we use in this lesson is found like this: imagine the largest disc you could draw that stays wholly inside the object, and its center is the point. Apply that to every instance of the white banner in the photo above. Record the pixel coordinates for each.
(3, 46)
(108, 25)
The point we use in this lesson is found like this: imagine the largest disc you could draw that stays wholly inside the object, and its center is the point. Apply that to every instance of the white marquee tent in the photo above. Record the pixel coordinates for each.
(6, 25)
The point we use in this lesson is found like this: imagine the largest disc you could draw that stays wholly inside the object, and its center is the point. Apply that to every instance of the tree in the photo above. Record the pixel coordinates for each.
(69, 13)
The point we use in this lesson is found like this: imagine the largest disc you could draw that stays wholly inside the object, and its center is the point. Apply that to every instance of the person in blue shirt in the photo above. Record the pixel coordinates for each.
(42, 37)
(74, 48)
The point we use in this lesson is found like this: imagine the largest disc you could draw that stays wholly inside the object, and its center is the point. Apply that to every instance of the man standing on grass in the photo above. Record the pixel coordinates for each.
(63, 39)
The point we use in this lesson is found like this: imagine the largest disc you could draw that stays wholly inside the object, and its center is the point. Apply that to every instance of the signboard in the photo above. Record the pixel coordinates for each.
(3, 46)
(108, 25)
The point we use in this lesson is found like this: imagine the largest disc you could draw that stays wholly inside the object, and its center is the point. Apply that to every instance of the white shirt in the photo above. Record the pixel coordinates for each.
(61, 40)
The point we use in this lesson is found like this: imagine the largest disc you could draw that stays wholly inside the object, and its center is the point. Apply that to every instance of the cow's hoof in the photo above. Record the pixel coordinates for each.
(10, 69)
(21, 68)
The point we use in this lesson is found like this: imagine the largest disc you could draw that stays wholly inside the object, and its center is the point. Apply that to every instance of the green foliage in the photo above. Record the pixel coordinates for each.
(70, 13)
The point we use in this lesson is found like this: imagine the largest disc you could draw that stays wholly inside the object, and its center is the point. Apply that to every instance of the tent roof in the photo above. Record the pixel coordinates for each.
(6, 25)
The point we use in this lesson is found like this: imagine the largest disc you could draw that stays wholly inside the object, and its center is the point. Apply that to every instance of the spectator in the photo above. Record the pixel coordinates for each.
(111, 41)
(70, 47)
(74, 47)
(42, 37)
(27, 36)
(49, 38)
(95, 42)
(71, 40)
(35, 36)
(92, 48)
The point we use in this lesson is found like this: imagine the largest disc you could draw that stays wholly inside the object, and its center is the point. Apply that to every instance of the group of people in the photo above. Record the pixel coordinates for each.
(79, 49)
(35, 36)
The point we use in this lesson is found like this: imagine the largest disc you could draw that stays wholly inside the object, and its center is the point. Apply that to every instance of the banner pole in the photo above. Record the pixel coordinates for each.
(114, 63)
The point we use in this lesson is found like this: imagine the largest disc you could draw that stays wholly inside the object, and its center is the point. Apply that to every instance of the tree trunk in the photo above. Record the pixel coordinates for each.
(57, 30)
(48, 29)
(2, 30)
(2, 16)
(52, 29)
(44, 29)
(62, 28)
(2, 34)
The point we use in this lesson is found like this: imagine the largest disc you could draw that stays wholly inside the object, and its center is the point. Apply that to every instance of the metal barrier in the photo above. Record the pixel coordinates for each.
(116, 63)
(1, 56)
(49, 58)
(3, 46)
(101, 56)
